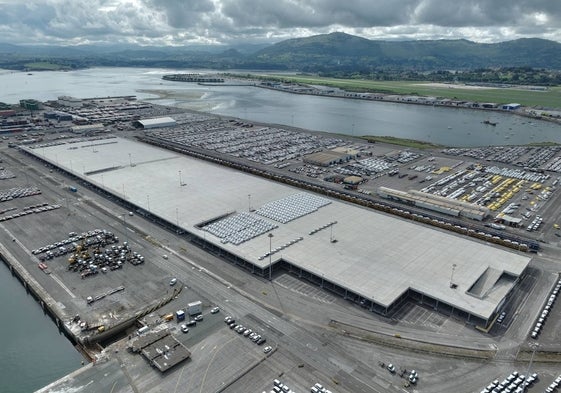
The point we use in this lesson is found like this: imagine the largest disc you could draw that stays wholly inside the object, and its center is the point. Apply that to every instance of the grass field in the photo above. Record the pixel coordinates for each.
(401, 142)
(548, 99)
(43, 66)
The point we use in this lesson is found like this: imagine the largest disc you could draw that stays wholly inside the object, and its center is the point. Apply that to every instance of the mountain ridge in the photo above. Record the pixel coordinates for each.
(325, 52)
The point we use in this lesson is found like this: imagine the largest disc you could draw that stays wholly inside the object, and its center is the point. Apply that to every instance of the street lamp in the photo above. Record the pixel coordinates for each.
(331, 239)
(148, 201)
(452, 276)
(249, 202)
(270, 256)
(534, 348)
(180, 181)
(130, 160)
(125, 225)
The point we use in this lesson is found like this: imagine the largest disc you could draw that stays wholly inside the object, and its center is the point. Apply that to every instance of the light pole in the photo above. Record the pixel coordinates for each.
(249, 203)
(180, 181)
(130, 160)
(452, 275)
(177, 216)
(148, 201)
(331, 239)
(125, 226)
(534, 348)
(270, 256)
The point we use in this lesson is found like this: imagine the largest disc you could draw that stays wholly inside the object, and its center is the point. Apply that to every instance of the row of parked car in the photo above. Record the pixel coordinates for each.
(545, 311)
(245, 331)
(553, 385)
(514, 383)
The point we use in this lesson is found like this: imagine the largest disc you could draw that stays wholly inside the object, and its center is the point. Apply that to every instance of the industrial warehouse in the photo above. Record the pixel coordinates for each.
(373, 259)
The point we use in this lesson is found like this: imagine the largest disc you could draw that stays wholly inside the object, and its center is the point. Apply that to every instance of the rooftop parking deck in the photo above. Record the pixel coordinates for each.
(376, 256)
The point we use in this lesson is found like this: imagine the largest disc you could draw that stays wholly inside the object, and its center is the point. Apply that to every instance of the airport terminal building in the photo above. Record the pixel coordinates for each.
(374, 259)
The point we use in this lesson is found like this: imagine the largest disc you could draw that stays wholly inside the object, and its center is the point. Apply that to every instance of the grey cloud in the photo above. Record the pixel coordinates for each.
(184, 13)
(317, 13)
(473, 13)
(228, 21)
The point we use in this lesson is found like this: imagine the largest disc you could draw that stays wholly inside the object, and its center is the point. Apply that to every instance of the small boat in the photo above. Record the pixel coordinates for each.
(489, 122)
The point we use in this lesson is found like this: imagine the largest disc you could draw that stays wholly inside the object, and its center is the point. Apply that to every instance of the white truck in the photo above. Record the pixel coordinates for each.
(195, 308)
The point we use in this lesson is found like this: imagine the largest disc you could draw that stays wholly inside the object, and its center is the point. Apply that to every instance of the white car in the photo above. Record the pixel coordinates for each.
(184, 328)
(173, 281)
(214, 310)
(267, 349)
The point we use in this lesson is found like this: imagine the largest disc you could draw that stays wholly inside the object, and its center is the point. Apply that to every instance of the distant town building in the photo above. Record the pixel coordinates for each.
(511, 107)
(30, 104)
(335, 156)
(7, 113)
(72, 102)
(88, 128)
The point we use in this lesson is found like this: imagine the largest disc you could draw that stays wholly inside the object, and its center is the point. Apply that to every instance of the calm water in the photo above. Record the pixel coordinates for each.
(446, 126)
(33, 353)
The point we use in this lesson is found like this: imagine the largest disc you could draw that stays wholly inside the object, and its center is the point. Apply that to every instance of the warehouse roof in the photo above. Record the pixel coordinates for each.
(376, 256)
(324, 158)
(157, 122)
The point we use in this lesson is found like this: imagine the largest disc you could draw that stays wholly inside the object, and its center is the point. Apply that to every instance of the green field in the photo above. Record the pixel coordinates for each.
(548, 99)
(43, 66)
(411, 143)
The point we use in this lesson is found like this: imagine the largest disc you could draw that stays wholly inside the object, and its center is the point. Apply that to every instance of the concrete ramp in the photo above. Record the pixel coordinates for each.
(485, 282)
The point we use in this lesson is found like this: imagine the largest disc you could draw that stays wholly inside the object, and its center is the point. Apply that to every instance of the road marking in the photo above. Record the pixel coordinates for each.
(62, 285)
(212, 360)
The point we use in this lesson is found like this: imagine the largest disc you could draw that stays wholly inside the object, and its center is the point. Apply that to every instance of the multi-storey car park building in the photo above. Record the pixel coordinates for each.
(368, 257)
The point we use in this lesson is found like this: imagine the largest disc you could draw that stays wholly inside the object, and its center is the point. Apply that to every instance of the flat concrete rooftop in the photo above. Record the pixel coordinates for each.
(376, 256)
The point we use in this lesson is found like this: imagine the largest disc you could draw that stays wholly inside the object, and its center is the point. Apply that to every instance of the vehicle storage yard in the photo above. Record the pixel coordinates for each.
(121, 255)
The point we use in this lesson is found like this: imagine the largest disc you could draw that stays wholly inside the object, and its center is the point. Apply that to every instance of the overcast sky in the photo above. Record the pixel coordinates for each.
(230, 22)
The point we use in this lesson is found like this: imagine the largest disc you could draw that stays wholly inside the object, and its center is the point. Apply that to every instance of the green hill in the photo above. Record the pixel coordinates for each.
(338, 52)
(344, 51)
